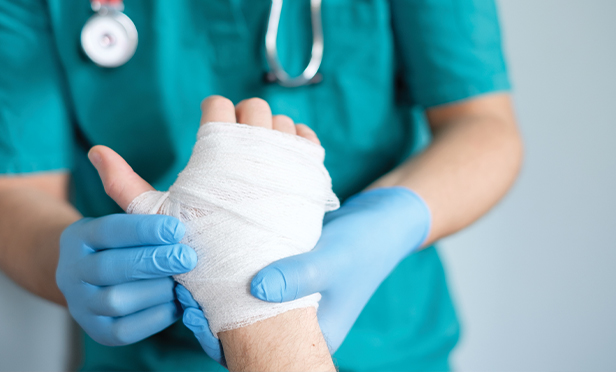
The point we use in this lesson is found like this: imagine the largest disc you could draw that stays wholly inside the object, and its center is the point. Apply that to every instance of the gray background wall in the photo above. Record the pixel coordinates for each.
(534, 280)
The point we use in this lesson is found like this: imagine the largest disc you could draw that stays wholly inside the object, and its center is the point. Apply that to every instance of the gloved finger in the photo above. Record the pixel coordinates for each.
(185, 298)
(194, 320)
(130, 230)
(116, 266)
(121, 183)
(138, 326)
(290, 278)
(128, 298)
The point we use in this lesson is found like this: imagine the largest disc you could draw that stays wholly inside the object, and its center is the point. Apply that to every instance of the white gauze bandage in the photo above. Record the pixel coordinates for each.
(249, 196)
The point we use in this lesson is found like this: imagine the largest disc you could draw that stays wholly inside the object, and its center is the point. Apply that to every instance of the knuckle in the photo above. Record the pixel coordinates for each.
(72, 231)
(112, 302)
(311, 271)
(120, 334)
(114, 186)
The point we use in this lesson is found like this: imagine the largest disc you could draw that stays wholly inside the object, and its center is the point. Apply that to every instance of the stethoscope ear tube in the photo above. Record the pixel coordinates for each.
(277, 73)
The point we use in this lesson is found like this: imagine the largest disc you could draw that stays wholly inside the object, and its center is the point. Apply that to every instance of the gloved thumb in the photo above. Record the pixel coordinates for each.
(290, 278)
(195, 320)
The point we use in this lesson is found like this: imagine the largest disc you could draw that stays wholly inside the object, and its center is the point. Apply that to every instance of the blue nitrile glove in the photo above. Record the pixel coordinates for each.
(360, 245)
(114, 272)
(362, 242)
(194, 319)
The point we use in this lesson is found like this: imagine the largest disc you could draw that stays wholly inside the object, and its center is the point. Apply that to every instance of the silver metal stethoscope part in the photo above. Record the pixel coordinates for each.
(109, 38)
(310, 74)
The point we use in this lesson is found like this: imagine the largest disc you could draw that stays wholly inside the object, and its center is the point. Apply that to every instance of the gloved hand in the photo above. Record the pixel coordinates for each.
(114, 272)
(194, 319)
(362, 242)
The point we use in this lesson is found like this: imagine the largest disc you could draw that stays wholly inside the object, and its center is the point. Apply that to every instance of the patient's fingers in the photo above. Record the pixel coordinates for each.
(217, 108)
(254, 111)
(304, 131)
(121, 183)
(284, 124)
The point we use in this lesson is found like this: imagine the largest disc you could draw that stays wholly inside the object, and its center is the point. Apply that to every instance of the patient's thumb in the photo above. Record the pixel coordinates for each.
(121, 183)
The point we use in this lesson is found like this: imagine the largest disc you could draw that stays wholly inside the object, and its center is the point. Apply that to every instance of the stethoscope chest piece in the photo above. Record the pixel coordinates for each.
(109, 38)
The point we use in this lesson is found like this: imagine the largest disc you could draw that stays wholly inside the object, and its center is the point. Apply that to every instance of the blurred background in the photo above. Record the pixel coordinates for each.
(535, 280)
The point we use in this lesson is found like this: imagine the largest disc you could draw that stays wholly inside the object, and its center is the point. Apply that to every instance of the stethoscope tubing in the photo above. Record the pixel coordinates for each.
(309, 75)
(109, 14)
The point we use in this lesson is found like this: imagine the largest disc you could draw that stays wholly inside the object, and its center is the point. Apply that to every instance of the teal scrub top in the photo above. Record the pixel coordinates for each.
(384, 63)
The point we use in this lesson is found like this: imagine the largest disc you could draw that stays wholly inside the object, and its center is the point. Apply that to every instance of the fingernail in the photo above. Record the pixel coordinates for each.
(179, 231)
(193, 319)
(260, 289)
(189, 317)
(95, 158)
(187, 257)
(173, 230)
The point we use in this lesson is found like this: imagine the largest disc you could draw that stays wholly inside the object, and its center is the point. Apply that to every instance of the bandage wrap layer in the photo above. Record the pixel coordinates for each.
(249, 196)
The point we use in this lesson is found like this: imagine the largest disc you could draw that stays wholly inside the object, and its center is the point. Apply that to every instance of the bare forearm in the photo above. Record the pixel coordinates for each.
(471, 163)
(288, 342)
(30, 228)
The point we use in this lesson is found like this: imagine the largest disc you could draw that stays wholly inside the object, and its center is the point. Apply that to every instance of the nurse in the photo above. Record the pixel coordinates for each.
(413, 104)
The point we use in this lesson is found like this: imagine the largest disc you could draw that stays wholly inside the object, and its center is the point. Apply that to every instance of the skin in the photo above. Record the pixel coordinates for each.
(288, 342)
(29, 240)
(473, 160)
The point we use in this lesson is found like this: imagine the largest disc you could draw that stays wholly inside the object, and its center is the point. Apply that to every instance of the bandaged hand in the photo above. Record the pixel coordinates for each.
(360, 245)
(248, 197)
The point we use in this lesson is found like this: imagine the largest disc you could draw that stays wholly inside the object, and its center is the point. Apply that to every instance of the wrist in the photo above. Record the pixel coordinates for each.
(405, 212)
(420, 216)
(289, 341)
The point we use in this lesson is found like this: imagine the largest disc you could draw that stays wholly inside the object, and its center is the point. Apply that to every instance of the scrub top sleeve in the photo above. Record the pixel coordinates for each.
(35, 125)
(450, 50)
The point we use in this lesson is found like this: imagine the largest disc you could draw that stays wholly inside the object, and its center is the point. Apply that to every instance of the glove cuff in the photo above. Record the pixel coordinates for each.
(402, 203)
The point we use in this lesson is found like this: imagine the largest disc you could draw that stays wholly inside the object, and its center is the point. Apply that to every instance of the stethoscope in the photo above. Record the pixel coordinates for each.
(109, 38)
